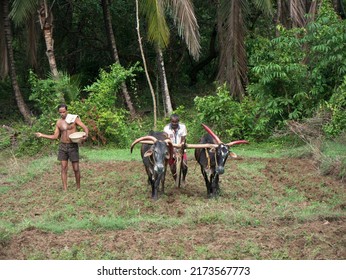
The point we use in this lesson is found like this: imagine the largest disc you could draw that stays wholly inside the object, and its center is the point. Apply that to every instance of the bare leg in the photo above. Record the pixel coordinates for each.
(64, 165)
(76, 170)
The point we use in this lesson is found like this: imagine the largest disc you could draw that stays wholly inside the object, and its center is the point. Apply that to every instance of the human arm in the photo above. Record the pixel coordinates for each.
(52, 136)
(83, 126)
(183, 134)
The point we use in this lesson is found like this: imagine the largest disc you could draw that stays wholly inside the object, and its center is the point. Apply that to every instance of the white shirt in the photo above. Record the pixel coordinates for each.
(175, 135)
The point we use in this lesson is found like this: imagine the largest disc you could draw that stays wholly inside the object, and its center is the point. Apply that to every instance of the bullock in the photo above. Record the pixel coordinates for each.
(212, 154)
(156, 151)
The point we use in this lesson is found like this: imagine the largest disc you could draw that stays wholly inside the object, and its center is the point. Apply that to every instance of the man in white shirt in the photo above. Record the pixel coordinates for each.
(177, 132)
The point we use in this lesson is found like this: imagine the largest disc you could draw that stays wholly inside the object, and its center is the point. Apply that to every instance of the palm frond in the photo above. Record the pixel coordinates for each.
(233, 59)
(297, 11)
(266, 6)
(158, 31)
(186, 22)
(22, 10)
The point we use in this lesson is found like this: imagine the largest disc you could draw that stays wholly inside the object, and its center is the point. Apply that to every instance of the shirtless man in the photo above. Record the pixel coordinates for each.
(67, 149)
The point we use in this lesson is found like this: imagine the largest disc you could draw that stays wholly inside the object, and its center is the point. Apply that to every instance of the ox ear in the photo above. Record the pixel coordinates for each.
(148, 153)
(232, 154)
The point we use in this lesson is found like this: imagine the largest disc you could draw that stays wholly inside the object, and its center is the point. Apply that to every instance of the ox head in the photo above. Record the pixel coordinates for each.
(221, 150)
(158, 151)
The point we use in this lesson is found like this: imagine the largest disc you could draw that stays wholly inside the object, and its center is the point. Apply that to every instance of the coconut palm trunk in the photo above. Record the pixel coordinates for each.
(164, 85)
(114, 52)
(145, 66)
(46, 22)
(233, 60)
(23, 108)
(184, 18)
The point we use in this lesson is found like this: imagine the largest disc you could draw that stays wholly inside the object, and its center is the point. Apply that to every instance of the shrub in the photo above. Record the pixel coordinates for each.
(231, 119)
(100, 111)
(336, 107)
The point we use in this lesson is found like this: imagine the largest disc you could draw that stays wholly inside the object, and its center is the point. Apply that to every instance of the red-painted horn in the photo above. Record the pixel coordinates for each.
(237, 142)
(212, 134)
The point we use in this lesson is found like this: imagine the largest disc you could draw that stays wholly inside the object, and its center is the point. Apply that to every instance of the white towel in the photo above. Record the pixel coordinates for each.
(71, 118)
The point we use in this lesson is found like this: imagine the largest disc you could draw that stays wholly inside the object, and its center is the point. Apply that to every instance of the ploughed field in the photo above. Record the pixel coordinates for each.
(268, 209)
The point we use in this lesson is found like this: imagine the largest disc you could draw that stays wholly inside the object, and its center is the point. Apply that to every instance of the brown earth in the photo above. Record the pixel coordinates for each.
(274, 237)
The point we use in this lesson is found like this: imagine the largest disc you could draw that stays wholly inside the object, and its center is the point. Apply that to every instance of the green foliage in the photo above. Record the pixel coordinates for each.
(106, 121)
(231, 119)
(326, 52)
(5, 138)
(336, 107)
(50, 92)
(297, 71)
(279, 77)
(46, 94)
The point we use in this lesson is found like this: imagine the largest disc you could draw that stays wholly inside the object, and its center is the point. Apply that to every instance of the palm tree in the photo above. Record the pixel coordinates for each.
(114, 52)
(182, 12)
(23, 108)
(22, 10)
(292, 13)
(145, 64)
(232, 69)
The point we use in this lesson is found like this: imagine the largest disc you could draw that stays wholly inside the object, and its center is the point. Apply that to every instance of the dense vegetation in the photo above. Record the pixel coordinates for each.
(275, 76)
(271, 72)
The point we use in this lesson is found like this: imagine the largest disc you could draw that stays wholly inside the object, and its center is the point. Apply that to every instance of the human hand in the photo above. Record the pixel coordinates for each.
(38, 134)
(84, 138)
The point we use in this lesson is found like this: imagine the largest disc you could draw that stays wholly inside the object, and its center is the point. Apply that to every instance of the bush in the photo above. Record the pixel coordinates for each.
(293, 74)
(336, 107)
(231, 119)
(106, 120)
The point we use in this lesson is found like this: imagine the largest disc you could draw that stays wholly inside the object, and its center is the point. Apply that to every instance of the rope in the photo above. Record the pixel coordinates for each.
(208, 158)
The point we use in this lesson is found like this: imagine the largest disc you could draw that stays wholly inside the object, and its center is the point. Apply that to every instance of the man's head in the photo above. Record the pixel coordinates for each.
(174, 121)
(62, 108)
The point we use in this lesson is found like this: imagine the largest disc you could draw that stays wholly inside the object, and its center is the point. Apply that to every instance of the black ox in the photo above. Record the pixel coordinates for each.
(212, 155)
(156, 151)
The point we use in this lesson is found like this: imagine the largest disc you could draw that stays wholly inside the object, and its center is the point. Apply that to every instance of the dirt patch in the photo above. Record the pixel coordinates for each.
(219, 231)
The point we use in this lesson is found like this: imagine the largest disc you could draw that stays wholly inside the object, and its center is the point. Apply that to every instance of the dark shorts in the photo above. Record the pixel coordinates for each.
(68, 151)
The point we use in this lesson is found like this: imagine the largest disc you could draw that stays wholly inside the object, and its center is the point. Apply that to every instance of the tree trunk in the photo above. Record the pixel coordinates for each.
(232, 59)
(114, 52)
(164, 84)
(46, 21)
(23, 108)
(145, 66)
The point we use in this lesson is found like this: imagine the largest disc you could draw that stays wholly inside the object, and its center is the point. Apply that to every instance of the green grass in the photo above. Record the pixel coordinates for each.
(255, 198)
(109, 154)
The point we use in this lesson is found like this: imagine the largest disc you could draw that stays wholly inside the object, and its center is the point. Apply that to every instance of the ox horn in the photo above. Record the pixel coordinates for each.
(216, 138)
(201, 146)
(145, 140)
(237, 142)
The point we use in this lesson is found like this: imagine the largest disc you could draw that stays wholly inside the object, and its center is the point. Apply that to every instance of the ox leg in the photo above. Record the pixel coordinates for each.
(152, 183)
(163, 179)
(184, 172)
(215, 186)
(207, 182)
(155, 186)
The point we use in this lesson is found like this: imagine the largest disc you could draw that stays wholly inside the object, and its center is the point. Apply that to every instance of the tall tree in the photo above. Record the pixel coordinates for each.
(23, 108)
(21, 12)
(184, 18)
(114, 52)
(145, 64)
(231, 35)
